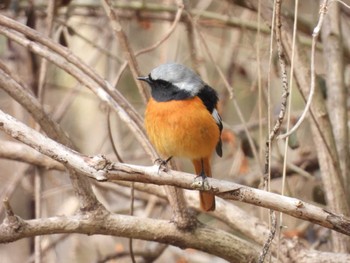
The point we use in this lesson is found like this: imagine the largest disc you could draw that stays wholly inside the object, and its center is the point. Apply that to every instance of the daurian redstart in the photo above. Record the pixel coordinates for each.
(181, 119)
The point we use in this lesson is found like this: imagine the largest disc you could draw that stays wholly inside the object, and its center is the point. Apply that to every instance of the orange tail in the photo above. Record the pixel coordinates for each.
(207, 200)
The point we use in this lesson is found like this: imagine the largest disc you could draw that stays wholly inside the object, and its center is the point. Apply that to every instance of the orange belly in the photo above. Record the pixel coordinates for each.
(182, 128)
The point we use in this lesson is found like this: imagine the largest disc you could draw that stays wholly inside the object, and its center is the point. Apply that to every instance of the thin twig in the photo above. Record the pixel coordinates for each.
(316, 32)
(124, 43)
(267, 167)
(230, 91)
(132, 201)
(167, 34)
(67, 61)
(341, 2)
(109, 129)
(41, 92)
(38, 208)
(33, 106)
(154, 46)
(44, 63)
(285, 91)
(132, 188)
(101, 169)
(285, 156)
(272, 234)
(258, 60)
(92, 43)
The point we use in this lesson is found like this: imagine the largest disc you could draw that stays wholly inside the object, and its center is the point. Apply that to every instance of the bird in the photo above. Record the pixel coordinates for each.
(182, 120)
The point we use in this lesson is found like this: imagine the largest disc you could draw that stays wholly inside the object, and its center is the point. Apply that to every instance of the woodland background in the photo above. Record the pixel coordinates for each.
(68, 71)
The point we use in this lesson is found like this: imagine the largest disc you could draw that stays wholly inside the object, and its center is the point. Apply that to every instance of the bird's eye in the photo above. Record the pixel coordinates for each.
(150, 78)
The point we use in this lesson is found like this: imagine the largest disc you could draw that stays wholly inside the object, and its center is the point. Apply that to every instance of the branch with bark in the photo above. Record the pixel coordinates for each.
(53, 149)
(101, 169)
(100, 221)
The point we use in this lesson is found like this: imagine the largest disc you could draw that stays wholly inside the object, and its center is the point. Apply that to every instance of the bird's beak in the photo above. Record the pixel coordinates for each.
(146, 79)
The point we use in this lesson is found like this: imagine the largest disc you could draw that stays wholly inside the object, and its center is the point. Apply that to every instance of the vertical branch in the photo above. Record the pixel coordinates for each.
(283, 71)
(124, 43)
(267, 164)
(44, 62)
(38, 172)
(192, 41)
(285, 156)
(38, 209)
(277, 126)
(315, 34)
(337, 108)
(258, 60)
(337, 95)
(321, 130)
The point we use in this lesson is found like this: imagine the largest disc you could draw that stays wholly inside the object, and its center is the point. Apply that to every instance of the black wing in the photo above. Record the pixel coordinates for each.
(210, 99)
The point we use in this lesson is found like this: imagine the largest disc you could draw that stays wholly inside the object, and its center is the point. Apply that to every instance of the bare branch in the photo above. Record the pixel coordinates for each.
(222, 244)
(63, 58)
(124, 43)
(317, 29)
(320, 126)
(32, 105)
(99, 168)
(167, 34)
(337, 105)
(337, 96)
(278, 123)
(22, 153)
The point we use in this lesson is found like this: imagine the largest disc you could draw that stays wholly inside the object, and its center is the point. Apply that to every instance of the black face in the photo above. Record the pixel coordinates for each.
(162, 90)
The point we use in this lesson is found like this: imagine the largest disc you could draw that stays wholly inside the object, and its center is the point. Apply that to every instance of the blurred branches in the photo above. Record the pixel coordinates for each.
(103, 46)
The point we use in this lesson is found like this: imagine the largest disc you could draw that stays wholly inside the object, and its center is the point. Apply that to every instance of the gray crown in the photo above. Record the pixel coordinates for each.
(180, 76)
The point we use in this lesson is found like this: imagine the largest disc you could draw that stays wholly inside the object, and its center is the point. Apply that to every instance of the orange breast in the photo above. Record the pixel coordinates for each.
(183, 128)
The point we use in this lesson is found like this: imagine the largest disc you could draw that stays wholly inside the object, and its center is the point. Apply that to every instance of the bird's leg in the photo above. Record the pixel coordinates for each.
(202, 177)
(163, 164)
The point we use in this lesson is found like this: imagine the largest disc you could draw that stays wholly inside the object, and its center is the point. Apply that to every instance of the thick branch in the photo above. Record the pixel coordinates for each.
(81, 185)
(337, 95)
(221, 243)
(101, 169)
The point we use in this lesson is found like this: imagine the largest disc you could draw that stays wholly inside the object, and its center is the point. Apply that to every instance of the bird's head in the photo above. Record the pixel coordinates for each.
(173, 81)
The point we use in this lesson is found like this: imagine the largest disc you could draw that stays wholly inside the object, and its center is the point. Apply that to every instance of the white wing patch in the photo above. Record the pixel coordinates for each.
(217, 118)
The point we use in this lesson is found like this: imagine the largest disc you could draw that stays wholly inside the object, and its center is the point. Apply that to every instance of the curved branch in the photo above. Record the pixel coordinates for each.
(125, 45)
(222, 244)
(64, 59)
(80, 184)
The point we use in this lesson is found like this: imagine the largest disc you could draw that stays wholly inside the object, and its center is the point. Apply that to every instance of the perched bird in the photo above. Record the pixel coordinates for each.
(181, 119)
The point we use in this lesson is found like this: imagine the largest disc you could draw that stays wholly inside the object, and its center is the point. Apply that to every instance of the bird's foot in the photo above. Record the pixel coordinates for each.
(200, 182)
(163, 164)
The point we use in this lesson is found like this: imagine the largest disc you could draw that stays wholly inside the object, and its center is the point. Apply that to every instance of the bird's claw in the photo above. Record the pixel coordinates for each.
(163, 164)
(201, 183)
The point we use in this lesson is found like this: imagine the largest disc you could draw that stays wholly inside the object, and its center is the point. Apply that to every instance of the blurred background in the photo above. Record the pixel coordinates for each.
(217, 34)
